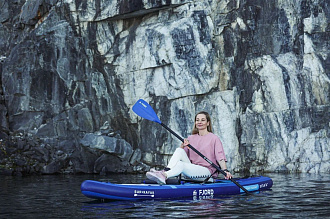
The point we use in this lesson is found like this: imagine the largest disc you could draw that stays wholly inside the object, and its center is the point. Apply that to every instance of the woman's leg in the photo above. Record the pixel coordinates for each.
(179, 163)
(190, 170)
(178, 155)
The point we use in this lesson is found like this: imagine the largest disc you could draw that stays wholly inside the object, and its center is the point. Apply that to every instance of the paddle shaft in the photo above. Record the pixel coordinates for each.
(205, 158)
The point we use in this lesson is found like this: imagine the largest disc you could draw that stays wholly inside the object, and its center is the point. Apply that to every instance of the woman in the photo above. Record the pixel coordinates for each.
(187, 162)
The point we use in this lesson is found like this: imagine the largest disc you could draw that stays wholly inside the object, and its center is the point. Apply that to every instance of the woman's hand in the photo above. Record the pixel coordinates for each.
(228, 174)
(223, 166)
(185, 143)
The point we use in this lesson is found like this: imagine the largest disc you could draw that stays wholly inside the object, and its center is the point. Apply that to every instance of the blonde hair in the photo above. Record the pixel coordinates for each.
(208, 118)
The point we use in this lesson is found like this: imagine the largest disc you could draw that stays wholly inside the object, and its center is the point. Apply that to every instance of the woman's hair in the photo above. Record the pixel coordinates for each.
(208, 118)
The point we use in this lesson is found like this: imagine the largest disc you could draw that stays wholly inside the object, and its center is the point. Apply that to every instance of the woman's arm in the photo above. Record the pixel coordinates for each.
(223, 166)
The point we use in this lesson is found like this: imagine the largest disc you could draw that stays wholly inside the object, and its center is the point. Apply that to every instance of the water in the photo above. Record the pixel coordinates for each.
(59, 196)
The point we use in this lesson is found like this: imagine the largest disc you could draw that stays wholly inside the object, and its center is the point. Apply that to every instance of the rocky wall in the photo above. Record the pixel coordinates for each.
(71, 71)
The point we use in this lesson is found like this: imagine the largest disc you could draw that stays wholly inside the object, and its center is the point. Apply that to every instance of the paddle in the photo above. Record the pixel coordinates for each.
(143, 109)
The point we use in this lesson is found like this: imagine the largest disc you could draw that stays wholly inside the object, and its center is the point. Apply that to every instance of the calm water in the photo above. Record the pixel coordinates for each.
(292, 196)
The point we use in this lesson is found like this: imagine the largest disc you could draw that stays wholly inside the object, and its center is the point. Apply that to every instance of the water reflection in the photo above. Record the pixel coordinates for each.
(292, 195)
(178, 208)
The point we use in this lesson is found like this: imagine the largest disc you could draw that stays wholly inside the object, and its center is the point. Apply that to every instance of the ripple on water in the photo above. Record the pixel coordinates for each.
(292, 196)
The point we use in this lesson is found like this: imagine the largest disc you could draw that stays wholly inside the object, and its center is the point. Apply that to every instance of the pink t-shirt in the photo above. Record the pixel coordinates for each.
(210, 146)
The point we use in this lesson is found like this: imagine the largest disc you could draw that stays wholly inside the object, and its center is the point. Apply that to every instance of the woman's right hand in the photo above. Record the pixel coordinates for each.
(185, 143)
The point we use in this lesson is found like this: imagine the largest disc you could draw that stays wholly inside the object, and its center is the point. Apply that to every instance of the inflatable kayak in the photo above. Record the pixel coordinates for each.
(186, 190)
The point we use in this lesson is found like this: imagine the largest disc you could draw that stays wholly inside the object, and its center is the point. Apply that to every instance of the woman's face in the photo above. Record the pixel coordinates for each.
(201, 122)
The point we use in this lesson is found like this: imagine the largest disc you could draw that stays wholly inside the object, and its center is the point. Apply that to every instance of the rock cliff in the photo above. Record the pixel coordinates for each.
(71, 71)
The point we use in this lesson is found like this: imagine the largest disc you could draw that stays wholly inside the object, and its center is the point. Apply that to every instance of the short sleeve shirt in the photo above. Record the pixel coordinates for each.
(210, 146)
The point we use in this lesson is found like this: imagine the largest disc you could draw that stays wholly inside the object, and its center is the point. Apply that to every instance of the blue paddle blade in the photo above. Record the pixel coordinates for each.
(143, 109)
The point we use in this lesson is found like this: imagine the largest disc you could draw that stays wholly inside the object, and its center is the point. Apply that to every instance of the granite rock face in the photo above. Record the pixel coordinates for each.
(71, 71)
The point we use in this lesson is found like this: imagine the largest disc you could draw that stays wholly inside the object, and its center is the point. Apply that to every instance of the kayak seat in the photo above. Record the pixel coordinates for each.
(169, 181)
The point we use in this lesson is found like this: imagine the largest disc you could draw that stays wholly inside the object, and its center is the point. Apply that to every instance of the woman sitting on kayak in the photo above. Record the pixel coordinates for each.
(190, 164)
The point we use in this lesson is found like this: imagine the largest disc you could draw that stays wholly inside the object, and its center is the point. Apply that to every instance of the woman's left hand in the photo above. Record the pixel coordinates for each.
(228, 175)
